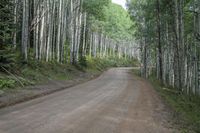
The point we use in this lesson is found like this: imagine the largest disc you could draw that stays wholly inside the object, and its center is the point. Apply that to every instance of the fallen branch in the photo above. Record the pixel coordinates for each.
(170, 90)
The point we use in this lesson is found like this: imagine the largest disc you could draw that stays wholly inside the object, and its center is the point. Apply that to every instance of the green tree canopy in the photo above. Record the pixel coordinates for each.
(118, 22)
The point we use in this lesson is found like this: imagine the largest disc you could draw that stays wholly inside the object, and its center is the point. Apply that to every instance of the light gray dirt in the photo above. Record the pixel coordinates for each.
(116, 102)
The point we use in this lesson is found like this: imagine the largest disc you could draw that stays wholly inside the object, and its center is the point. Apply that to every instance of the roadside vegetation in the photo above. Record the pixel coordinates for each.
(185, 108)
(31, 73)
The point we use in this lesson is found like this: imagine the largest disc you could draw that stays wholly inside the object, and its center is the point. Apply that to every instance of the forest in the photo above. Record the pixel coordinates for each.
(65, 30)
(164, 35)
(69, 32)
(63, 39)
(168, 32)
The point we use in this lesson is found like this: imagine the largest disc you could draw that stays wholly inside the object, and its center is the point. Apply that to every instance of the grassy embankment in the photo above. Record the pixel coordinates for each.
(186, 108)
(33, 72)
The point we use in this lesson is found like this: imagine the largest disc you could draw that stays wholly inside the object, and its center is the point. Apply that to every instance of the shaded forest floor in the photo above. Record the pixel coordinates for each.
(34, 79)
(185, 109)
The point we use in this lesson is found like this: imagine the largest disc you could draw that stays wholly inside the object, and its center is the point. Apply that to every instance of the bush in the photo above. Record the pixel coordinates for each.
(7, 83)
(186, 107)
(83, 61)
(7, 59)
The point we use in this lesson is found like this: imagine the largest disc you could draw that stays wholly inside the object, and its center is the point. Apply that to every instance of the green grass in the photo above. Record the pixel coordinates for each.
(35, 72)
(7, 83)
(186, 107)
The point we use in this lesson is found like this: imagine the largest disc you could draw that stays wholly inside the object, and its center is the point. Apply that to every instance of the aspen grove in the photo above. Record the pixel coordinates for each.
(169, 36)
(64, 31)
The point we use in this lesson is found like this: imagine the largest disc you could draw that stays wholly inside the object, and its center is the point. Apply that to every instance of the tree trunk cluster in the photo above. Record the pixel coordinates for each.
(59, 30)
(176, 58)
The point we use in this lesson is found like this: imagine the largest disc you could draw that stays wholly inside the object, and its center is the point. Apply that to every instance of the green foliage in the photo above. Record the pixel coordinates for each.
(114, 21)
(186, 107)
(95, 7)
(41, 71)
(37, 72)
(7, 83)
(7, 59)
(118, 23)
(83, 61)
(104, 63)
(143, 15)
(6, 24)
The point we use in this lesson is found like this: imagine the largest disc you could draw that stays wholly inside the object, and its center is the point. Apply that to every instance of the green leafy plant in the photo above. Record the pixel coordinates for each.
(7, 83)
(83, 61)
(7, 59)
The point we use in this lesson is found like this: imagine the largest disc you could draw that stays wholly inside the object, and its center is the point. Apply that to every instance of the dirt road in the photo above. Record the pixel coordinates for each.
(116, 102)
